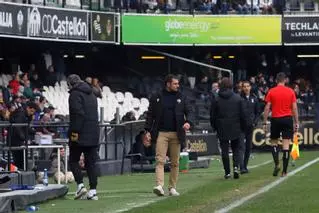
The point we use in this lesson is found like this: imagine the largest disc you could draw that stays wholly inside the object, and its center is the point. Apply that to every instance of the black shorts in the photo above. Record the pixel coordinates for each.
(283, 126)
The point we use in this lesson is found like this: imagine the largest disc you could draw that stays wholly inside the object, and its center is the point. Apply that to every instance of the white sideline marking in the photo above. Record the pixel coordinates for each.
(159, 199)
(261, 164)
(141, 191)
(138, 205)
(265, 188)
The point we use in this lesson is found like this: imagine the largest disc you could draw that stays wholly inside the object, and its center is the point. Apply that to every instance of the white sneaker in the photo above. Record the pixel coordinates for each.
(93, 197)
(173, 192)
(80, 193)
(158, 190)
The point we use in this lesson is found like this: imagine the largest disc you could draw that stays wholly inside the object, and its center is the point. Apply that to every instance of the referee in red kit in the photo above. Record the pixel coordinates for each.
(282, 102)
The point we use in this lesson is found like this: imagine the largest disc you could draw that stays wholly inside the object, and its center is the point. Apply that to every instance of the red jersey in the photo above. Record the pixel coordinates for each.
(281, 99)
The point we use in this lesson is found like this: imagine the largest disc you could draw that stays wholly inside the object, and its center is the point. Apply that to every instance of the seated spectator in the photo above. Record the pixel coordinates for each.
(16, 102)
(42, 102)
(129, 116)
(144, 147)
(14, 84)
(271, 82)
(96, 88)
(207, 6)
(27, 92)
(215, 89)
(35, 81)
(240, 6)
(5, 95)
(143, 116)
(48, 117)
(31, 69)
(64, 175)
(266, 6)
(149, 5)
(202, 88)
(51, 77)
(88, 80)
(254, 87)
(254, 7)
(239, 87)
(165, 5)
(23, 78)
(223, 6)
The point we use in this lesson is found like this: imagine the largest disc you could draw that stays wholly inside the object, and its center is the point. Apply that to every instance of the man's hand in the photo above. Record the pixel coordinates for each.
(74, 137)
(186, 126)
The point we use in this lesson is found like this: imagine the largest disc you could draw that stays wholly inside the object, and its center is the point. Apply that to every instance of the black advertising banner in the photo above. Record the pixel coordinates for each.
(103, 27)
(203, 144)
(13, 20)
(308, 136)
(300, 29)
(27, 21)
(57, 23)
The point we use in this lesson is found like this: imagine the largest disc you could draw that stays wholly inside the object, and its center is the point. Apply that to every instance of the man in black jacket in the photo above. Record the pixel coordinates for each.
(83, 134)
(253, 110)
(169, 116)
(228, 118)
(19, 133)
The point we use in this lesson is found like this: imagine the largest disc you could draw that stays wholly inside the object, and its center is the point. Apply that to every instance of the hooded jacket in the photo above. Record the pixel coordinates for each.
(83, 114)
(228, 115)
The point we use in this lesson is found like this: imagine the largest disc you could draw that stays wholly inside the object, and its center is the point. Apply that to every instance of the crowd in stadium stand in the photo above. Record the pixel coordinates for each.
(26, 86)
(189, 6)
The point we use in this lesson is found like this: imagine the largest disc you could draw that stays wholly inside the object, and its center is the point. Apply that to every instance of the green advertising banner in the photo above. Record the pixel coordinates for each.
(201, 30)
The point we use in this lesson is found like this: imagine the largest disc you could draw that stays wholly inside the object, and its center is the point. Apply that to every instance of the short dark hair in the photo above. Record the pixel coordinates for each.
(281, 77)
(32, 105)
(169, 78)
(246, 82)
(226, 83)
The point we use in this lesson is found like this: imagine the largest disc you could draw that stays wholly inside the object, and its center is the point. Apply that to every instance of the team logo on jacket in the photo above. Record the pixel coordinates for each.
(179, 101)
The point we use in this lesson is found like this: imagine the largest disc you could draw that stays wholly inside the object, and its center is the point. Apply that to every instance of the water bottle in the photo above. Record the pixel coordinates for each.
(45, 177)
(32, 208)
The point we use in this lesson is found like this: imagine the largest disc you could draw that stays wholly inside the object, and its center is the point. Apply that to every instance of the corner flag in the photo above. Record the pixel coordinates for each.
(295, 148)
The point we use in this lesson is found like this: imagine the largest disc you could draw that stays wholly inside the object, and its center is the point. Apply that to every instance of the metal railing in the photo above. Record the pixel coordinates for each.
(115, 141)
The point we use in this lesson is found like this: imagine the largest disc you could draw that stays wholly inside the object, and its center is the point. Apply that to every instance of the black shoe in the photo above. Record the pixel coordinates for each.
(227, 176)
(236, 173)
(244, 171)
(276, 171)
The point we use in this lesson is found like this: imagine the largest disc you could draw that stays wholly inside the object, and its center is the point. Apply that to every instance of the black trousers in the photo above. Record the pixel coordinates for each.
(17, 156)
(224, 145)
(245, 148)
(90, 157)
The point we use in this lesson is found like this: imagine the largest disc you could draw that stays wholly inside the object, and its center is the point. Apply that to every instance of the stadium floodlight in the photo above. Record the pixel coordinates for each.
(307, 56)
(153, 57)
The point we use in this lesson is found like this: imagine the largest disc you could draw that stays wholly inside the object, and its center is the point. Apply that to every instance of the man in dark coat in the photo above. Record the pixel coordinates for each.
(253, 110)
(83, 134)
(228, 118)
(169, 116)
(19, 133)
